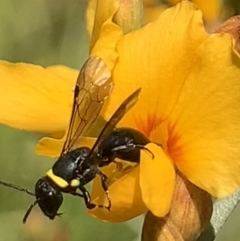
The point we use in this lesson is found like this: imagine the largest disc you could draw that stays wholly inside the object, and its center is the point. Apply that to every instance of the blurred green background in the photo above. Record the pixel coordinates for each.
(45, 32)
(49, 32)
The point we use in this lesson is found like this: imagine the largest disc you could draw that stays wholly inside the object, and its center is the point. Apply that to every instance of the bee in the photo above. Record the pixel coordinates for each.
(77, 166)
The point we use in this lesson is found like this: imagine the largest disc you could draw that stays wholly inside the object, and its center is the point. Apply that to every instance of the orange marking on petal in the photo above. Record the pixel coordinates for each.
(148, 124)
(172, 142)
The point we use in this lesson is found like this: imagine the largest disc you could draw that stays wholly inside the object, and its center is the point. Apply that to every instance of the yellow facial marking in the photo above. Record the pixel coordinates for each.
(57, 180)
(75, 183)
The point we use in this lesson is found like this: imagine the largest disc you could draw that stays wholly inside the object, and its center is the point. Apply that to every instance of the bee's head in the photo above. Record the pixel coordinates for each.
(47, 194)
(48, 197)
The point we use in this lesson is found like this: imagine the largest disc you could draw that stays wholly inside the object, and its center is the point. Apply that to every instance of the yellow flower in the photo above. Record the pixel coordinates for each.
(189, 103)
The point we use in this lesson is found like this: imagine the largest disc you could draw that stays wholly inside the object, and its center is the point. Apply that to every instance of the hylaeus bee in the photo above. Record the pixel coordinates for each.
(77, 166)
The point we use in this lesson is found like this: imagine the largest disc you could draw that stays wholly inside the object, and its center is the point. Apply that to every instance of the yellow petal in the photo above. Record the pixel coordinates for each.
(104, 33)
(157, 180)
(52, 147)
(125, 194)
(105, 47)
(64, 72)
(98, 12)
(211, 9)
(204, 130)
(157, 58)
(34, 98)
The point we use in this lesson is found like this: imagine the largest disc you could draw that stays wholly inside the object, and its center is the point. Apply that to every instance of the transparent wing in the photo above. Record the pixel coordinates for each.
(117, 116)
(92, 88)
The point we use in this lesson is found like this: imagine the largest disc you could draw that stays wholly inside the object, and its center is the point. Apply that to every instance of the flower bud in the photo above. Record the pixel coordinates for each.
(191, 208)
(232, 26)
(129, 15)
(189, 215)
(160, 229)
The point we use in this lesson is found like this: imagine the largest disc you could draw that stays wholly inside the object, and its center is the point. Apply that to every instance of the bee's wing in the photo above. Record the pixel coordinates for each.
(117, 116)
(92, 88)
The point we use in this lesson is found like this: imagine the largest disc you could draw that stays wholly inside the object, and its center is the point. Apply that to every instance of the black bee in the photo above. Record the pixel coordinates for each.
(78, 166)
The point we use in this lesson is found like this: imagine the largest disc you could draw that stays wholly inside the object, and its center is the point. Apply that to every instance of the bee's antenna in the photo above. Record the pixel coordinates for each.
(29, 211)
(17, 188)
(6, 184)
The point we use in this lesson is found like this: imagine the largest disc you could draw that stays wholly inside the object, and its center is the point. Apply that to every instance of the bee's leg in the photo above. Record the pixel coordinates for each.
(119, 165)
(87, 199)
(104, 179)
(77, 194)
